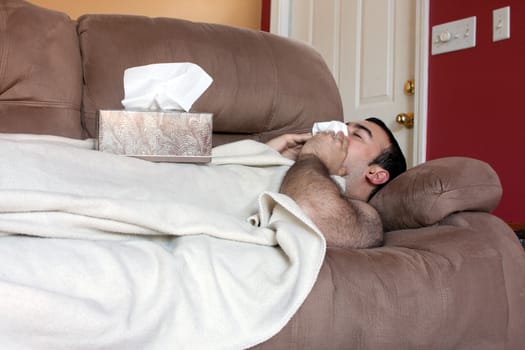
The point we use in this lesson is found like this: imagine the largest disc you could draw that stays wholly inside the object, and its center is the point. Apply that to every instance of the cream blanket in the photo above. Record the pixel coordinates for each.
(107, 252)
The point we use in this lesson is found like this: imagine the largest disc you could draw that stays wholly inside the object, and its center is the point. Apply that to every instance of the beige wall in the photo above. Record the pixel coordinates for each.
(241, 13)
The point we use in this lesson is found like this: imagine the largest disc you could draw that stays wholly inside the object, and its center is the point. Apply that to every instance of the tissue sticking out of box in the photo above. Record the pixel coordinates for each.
(164, 86)
(334, 126)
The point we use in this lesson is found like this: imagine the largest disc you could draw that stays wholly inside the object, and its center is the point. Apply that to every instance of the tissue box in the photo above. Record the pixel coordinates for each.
(156, 136)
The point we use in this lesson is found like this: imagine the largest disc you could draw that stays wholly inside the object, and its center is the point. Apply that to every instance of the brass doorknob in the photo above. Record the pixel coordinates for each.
(406, 119)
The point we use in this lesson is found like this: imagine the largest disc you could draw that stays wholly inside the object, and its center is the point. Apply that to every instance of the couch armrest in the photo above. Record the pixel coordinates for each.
(429, 192)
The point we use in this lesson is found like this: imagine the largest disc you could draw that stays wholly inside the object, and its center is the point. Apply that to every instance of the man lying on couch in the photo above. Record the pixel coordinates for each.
(367, 159)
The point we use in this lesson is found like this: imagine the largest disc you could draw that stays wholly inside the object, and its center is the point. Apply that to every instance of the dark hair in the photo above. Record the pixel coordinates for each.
(391, 159)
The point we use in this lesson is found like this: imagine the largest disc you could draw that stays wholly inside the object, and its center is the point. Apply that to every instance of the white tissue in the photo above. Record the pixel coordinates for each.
(164, 86)
(334, 126)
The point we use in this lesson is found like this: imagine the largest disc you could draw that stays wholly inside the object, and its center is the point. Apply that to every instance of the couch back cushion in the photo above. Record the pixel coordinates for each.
(40, 71)
(429, 192)
(264, 85)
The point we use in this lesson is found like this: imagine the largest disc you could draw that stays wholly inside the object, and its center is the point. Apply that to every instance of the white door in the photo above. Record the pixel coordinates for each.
(372, 48)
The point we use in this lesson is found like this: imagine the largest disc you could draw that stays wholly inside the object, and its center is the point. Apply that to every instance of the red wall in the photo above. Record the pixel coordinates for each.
(266, 7)
(476, 103)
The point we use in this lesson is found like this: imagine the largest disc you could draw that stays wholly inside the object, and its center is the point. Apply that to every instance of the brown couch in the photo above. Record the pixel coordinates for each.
(450, 274)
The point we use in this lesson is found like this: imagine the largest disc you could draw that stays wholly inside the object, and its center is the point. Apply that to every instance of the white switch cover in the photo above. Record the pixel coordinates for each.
(501, 24)
(454, 36)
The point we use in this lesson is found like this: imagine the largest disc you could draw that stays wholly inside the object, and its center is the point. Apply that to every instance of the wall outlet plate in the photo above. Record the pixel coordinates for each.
(454, 36)
(501, 24)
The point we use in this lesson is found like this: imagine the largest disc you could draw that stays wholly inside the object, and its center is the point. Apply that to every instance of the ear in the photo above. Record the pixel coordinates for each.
(377, 175)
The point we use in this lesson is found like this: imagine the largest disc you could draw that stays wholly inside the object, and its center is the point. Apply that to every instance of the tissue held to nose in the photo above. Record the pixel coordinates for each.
(334, 126)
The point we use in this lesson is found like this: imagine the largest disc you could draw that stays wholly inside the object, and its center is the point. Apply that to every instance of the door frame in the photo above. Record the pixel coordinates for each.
(280, 16)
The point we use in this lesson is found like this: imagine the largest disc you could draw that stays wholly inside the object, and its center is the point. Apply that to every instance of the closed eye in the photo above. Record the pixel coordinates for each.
(364, 129)
(358, 129)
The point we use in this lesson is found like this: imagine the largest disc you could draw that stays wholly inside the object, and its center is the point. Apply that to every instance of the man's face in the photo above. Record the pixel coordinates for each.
(366, 140)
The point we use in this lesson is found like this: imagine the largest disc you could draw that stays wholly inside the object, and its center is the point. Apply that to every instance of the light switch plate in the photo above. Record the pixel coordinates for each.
(454, 36)
(501, 24)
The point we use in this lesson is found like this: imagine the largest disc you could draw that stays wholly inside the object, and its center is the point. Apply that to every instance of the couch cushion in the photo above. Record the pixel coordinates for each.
(454, 286)
(263, 84)
(40, 71)
(429, 192)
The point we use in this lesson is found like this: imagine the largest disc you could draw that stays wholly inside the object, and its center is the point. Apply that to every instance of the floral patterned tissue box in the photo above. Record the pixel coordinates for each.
(158, 136)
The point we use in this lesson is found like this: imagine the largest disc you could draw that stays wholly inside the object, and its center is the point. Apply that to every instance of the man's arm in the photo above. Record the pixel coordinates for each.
(344, 222)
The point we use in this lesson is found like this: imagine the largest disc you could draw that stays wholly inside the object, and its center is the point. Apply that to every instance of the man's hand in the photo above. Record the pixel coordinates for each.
(289, 145)
(330, 148)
